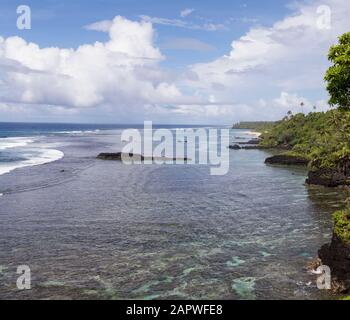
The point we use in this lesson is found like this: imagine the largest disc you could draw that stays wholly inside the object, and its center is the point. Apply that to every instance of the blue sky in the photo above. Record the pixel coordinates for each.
(201, 61)
(60, 23)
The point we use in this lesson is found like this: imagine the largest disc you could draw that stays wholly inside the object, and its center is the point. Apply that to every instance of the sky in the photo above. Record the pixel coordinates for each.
(171, 62)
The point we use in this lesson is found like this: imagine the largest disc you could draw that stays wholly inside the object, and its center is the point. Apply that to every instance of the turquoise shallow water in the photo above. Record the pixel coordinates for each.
(95, 229)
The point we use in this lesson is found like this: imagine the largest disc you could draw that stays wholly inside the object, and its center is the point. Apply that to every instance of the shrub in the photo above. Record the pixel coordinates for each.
(342, 225)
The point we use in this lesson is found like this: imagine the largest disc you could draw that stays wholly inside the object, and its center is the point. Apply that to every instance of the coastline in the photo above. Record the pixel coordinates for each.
(332, 174)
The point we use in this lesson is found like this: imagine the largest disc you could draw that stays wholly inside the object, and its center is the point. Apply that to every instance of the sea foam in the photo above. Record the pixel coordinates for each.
(78, 132)
(7, 143)
(34, 155)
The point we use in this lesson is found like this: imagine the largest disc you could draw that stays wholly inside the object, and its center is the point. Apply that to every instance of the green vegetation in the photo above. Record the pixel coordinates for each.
(260, 126)
(338, 75)
(342, 225)
(323, 138)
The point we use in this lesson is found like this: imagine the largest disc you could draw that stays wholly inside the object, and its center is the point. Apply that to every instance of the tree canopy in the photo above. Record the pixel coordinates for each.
(338, 75)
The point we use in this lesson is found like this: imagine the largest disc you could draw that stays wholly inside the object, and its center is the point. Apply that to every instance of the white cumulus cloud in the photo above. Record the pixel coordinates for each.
(287, 58)
(122, 73)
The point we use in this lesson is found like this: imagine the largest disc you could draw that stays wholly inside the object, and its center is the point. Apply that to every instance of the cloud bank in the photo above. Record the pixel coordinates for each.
(122, 74)
(271, 70)
(267, 72)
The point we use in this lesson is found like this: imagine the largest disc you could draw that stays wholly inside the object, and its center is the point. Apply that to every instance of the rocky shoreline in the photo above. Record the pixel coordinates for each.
(327, 177)
(332, 177)
(336, 255)
(253, 144)
(247, 147)
(287, 160)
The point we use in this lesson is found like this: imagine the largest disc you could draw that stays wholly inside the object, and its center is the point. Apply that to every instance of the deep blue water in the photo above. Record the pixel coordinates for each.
(18, 129)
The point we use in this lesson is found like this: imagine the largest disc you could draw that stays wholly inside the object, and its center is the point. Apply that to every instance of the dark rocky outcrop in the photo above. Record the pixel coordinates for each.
(245, 147)
(332, 177)
(251, 142)
(118, 156)
(134, 157)
(235, 147)
(336, 255)
(287, 160)
(255, 147)
(327, 178)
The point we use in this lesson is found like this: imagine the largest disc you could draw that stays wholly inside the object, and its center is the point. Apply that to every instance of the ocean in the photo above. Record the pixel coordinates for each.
(92, 229)
(28, 144)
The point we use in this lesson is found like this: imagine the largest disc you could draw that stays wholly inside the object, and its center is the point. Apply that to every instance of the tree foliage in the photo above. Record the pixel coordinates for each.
(323, 138)
(342, 225)
(338, 75)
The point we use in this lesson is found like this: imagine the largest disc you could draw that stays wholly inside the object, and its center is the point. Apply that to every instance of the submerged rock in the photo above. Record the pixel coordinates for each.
(235, 147)
(245, 288)
(287, 160)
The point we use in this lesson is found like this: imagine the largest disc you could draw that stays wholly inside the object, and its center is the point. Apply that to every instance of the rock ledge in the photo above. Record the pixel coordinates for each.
(287, 160)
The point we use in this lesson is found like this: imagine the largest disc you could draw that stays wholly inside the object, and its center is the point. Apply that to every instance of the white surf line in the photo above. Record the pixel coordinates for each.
(9, 143)
(47, 156)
